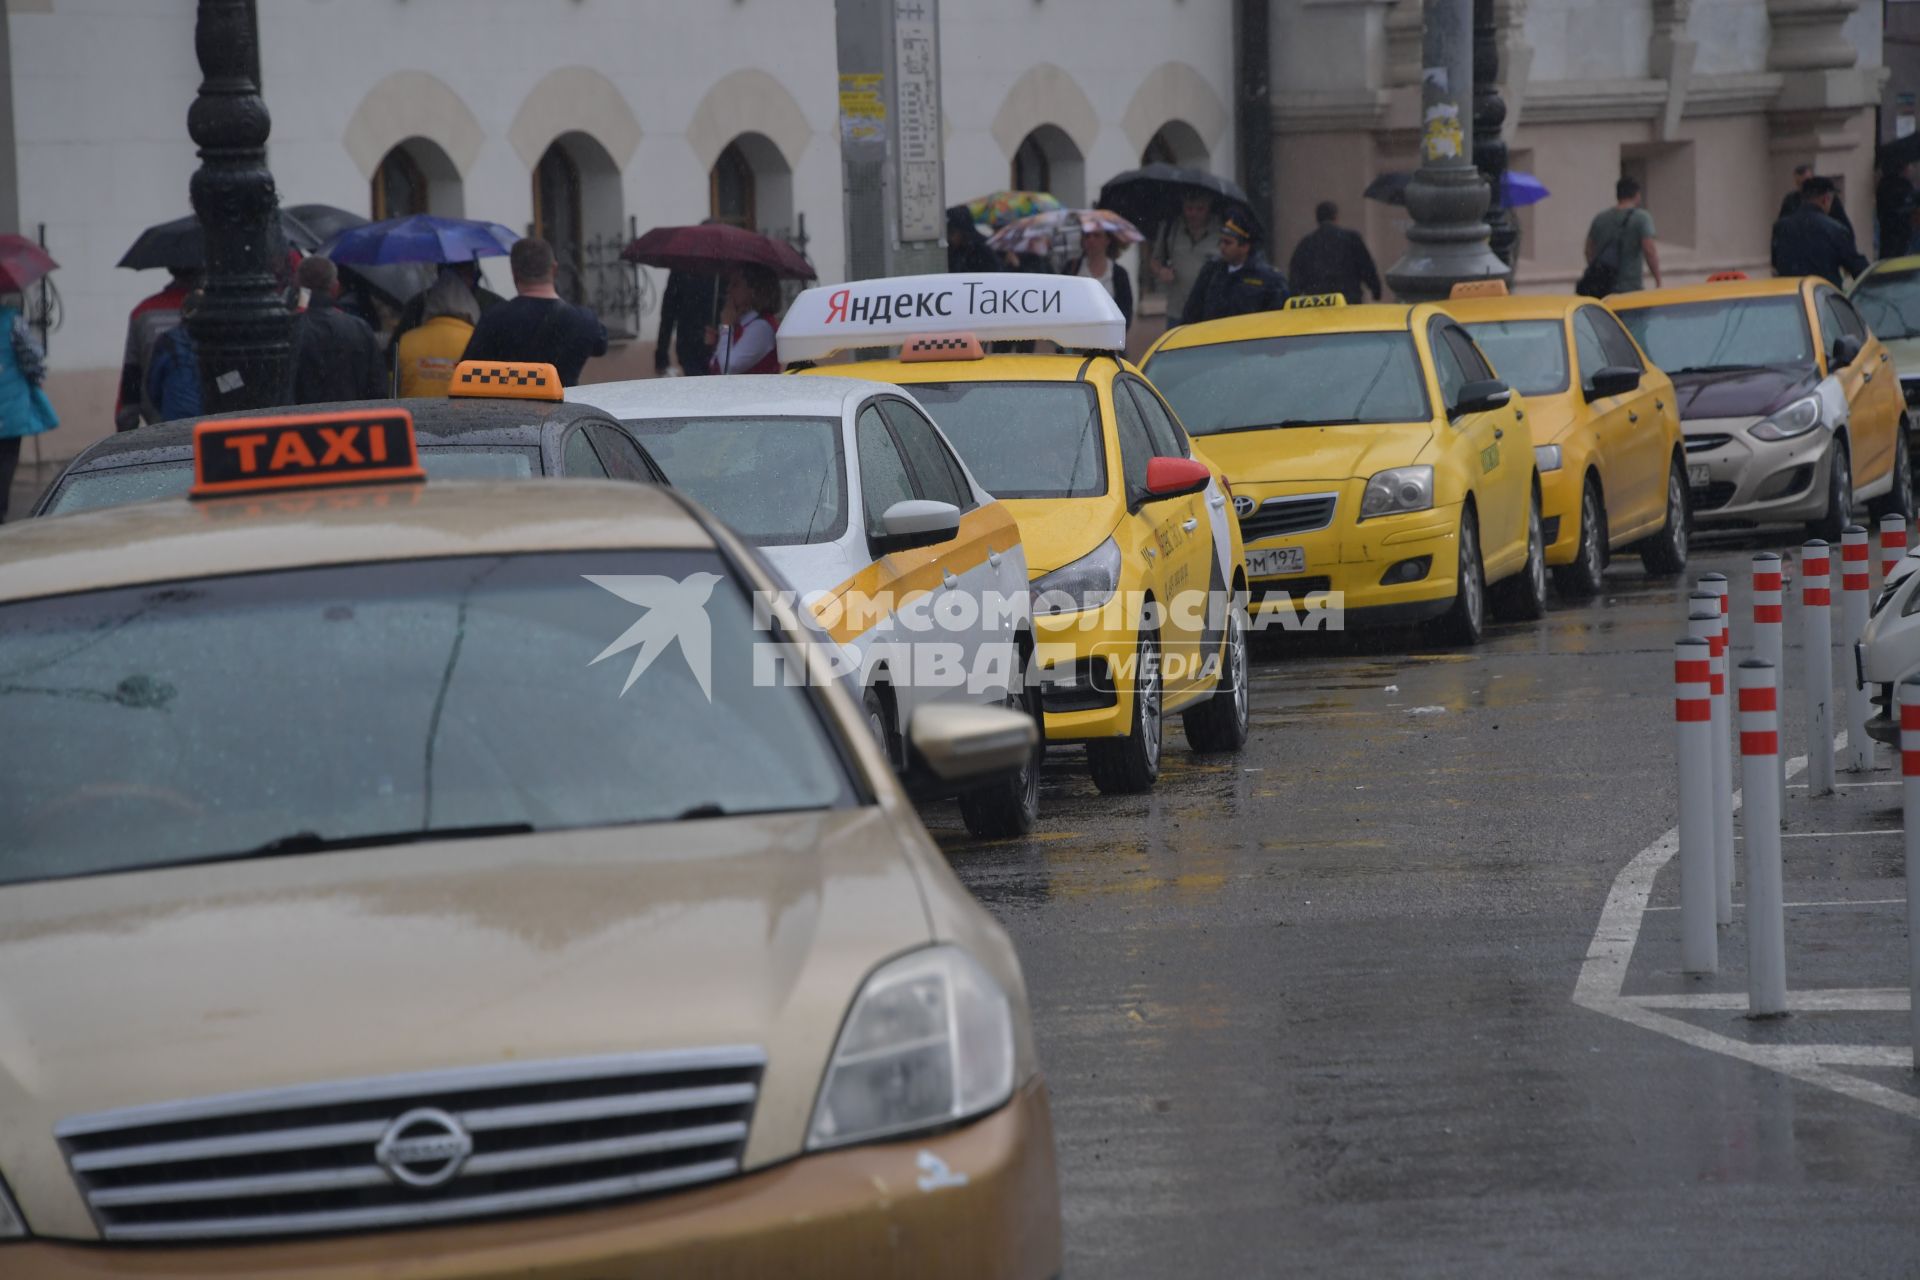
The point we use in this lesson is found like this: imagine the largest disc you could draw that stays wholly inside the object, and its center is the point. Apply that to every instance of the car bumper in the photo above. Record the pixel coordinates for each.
(1344, 580)
(1086, 680)
(1560, 493)
(1751, 481)
(979, 1200)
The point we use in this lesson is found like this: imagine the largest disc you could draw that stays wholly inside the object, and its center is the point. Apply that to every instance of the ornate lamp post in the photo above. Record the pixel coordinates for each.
(1489, 142)
(241, 328)
(1447, 197)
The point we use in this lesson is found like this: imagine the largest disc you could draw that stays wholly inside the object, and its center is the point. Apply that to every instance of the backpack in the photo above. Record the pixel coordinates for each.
(1598, 280)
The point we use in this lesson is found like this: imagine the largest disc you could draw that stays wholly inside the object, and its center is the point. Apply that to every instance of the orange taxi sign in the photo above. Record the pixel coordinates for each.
(1491, 288)
(303, 451)
(506, 380)
(941, 346)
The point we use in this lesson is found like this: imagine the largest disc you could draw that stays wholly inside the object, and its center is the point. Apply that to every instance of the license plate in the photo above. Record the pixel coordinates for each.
(1699, 474)
(1266, 562)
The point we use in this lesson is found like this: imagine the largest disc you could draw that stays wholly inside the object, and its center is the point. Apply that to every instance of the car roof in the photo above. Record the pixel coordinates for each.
(1891, 267)
(179, 538)
(1763, 287)
(1370, 318)
(1001, 368)
(1522, 306)
(756, 395)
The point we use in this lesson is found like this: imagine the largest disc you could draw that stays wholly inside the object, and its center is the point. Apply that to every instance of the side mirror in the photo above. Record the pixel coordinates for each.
(1482, 397)
(1614, 380)
(1846, 349)
(916, 522)
(956, 746)
(1175, 478)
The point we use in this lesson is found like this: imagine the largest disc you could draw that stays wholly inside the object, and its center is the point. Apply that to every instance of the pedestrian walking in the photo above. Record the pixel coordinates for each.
(1332, 259)
(1239, 282)
(173, 374)
(24, 407)
(1803, 174)
(1811, 242)
(1182, 250)
(1620, 247)
(1892, 201)
(745, 341)
(966, 248)
(151, 317)
(1096, 262)
(686, 310)
(425, 357)
(538, 325)
(335, 355)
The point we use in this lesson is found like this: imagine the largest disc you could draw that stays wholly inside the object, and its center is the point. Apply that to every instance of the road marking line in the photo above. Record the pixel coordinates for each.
(1842, 786)
(1832, 1000)
(1837, 902)
(1604, 972)
(1820, 835)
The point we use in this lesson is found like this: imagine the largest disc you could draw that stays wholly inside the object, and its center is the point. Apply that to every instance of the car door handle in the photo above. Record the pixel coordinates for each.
(1660, 405)
(946, 576)
(1632, 416)
(1191, 523)
(1499, 433)
(1867, 376)
(1216, 499)
(993, 557)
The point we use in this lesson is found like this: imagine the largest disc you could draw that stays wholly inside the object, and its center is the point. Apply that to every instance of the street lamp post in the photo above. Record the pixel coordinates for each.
(241, 328)
(1489, 137)
(1447, 197)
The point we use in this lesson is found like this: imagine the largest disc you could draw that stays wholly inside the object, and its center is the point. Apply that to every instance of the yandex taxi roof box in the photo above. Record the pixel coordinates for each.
(1074, 312)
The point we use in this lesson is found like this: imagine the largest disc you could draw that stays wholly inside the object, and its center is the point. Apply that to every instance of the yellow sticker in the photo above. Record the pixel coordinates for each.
(1302, 301)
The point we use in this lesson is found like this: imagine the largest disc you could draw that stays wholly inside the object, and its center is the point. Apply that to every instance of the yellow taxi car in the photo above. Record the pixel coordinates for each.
(1888, 300)
(1135, 560)
(454, 879)
(1375, 459)
(1606, 433)
(1791, 406)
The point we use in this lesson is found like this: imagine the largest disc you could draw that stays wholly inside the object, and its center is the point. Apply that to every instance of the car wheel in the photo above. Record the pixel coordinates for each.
(1581, 580)
(1665, 554)
(1898, 501)
(1011, 807)
(1466, 621)
(1220, 723)
(880, 724)
(1523, 597)
(1131, 764)
(1839, 497)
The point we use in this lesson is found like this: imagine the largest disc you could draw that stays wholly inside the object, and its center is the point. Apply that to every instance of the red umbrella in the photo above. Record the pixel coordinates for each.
(21, 263)
(711, 249)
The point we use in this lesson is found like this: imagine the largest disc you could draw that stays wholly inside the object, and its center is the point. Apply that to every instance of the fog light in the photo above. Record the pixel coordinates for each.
(1407, 571)
(1549, 530)
(1785, 483)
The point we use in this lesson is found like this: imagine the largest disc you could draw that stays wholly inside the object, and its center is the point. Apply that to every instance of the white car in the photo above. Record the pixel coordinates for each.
(855, 498)
(1888, 651)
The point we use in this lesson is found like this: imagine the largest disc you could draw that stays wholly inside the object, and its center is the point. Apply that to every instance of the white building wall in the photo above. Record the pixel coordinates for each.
(1588, 39)
(1730, 36)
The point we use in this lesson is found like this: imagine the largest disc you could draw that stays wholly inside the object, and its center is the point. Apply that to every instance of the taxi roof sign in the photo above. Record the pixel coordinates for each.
(941, 346)
(1307, 301)
(1493, 288)
(1074, 312)
(506, 380)
(303, 451)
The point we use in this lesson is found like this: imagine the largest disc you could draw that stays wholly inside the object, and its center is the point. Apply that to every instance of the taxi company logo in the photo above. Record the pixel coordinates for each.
(423, 1148)
(1244, 506)
(676, 610)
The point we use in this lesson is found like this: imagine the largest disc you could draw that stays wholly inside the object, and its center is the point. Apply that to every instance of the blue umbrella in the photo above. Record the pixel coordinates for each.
(1522, 189)
(422, 237)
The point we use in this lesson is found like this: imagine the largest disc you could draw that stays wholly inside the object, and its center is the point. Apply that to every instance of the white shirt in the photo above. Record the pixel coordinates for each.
(1105, 277)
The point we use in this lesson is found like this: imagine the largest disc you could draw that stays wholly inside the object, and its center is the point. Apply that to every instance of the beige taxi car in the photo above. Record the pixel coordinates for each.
(435, 880)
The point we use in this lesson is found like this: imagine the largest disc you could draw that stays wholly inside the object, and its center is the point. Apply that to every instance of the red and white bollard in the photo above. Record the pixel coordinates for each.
(1855, 582)
(1893, 544)
(1705, 621)
(1699, 848)
(1769, 623)
(1816, 643)
(1760, 824)
(1909, 694)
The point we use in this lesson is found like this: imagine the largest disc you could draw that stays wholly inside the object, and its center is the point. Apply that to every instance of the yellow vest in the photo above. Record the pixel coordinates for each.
(428, 355)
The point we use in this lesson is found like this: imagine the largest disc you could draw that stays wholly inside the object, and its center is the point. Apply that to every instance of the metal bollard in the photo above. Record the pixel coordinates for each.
(1693, 728)
(1769, 625)
(1893, 543)
(1760, 824)
(1855, 580)
(1705, 621)
(1909, 693)
(1816, 642)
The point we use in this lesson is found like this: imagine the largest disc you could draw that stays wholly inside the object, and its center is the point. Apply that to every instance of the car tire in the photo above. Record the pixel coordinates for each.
(879, 715)
(1899, 500)
(1220, 723)
(1010, 808)
(1665, 554)
(1465, 622)
(1523, 597)
(1581, 580)
(1125, 766)
(1839, 497)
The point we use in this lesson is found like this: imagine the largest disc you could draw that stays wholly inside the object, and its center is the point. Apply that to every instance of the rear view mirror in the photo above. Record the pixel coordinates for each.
(1175, 478)
(952, 744)
(1614, 380)
(1846, 349)
(916, 522)
(1482, 396)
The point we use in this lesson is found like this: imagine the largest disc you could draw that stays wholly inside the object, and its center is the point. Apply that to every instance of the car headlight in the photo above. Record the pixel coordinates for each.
(1796, 419)
(1398, 489)
(1546, 457)
(1087, 583)
(929, 1041)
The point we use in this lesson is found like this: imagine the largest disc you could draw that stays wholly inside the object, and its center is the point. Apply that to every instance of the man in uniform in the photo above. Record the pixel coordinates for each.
(1239, 281)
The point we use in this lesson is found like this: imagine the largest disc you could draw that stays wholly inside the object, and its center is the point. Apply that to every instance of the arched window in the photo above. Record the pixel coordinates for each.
(578, 209)
(417, 176)
(556, 218)
(731, 190)
(1030, 169)
(1177, 142)
(1048, 160)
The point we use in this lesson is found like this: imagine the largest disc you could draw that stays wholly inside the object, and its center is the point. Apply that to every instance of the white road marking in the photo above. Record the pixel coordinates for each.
(1837, 902)
(1842, 786)
(1817, 835)
(1604, 973)
(1831, 1000)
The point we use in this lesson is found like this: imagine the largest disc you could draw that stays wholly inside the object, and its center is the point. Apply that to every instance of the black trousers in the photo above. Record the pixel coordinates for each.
(9, 463)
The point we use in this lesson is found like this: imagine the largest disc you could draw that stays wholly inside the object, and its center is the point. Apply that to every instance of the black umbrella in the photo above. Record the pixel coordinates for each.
(1389, 188)
(398, 283)
(1152, 195)
(180, 244)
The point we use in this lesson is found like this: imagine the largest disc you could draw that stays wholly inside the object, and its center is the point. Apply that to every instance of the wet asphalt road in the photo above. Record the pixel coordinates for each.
(1309, 1010)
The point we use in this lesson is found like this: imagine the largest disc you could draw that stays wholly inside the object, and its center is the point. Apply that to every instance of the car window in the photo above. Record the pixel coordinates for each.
(1314, 379)
(883, 472)
(1471, 361)
(1447, 368)
(1169, 441)
(466, 692)
(1849, 318)
(1727, 333)
(1620, 351)
(1136, 445)
(934, 473)
(1023, 439)
(774, 481)
(1528, 355)
(623, 457)
(1889, 302)
(578, 458)
(1588, 346)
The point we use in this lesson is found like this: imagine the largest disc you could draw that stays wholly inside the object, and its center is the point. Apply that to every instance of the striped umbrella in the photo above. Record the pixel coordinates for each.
(1038, 233)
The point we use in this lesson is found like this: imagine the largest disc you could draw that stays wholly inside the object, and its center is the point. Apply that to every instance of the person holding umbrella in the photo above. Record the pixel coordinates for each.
(1183, 249)
(744, 342)
(426, 355)
(151, 317)
(24, 407)
(335, 355)
(1239, 282)
(538, 326)
(1097, 262)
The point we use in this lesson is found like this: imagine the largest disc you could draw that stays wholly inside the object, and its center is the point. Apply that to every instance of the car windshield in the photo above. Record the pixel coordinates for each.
(1730, 333)
(1023, 439)
(119, 486)
(382, 703)
(1889, 301)
(1308, 380)
(1530, 355)
(774, 481)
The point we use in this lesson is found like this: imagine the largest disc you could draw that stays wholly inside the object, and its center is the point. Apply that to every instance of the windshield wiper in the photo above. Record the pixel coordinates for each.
(1719, 368)
(1294, 422)
(314, 842)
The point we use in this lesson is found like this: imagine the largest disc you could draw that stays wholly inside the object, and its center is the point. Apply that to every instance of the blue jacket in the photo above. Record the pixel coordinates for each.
(24, 407)
(173, 375)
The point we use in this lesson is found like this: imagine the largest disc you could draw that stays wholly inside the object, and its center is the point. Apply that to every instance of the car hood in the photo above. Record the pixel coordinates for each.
(1058, 531)
(179, 984)
(1741, 393)
(1314, 453)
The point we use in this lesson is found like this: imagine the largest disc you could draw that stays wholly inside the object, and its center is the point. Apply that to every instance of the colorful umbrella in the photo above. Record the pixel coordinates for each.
(423, 237)
(711, 248)
(21, 263)
(1039, 232)
(1002, 207)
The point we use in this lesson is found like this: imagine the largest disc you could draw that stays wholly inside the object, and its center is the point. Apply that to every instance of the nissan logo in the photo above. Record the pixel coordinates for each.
(423, 1148)
(1244, 506)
